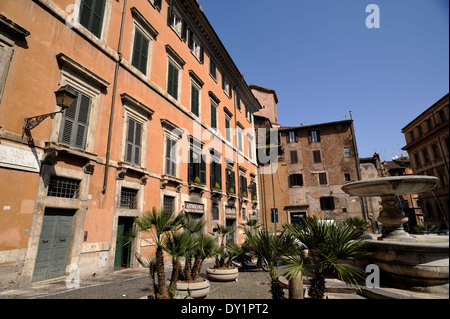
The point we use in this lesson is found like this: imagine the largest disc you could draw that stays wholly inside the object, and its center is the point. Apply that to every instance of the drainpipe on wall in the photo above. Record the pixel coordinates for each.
(116, 72)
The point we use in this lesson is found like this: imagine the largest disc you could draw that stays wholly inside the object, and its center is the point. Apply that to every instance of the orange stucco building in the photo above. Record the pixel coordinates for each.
(162, 118)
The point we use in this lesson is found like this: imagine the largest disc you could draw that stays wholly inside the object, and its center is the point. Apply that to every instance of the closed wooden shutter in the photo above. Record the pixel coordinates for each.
(75, 122)
(323, 179)
(172, 85)
(317, 157)
(140, 52)
(294, 158)
(91, 15)
(133, 147)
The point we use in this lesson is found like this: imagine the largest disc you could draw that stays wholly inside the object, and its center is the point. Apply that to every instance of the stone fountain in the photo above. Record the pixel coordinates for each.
(407, 261)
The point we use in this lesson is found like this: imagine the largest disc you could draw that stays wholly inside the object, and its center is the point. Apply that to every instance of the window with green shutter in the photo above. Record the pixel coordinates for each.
(75, 122)
(195, 99)
(140, 52)
(172, 80)
(213, 116)
(196, 167)
(91, 15)
(170, 157)
(230, 183)
(216, 175)
(134, 143)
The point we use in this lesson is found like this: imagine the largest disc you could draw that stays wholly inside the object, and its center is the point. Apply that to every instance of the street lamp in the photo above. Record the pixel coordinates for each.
(64, 98)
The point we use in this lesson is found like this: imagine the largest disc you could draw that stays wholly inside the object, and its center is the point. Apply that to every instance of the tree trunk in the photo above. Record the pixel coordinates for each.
(317, 287)
(196, 269)
(162, 289)
(187, 269)
(276, 290)
(296, 287)
(176, 266)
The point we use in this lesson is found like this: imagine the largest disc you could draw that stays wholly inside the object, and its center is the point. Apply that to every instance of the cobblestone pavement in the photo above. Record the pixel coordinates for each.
(135, 284)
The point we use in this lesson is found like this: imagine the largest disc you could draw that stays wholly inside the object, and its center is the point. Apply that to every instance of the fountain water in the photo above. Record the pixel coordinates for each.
(411, 261)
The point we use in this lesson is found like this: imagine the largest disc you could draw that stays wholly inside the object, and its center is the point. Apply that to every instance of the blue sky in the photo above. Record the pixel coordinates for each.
(322, 60)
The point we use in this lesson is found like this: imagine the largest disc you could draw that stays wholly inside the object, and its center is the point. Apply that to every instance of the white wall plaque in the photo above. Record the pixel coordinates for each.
(18, 157)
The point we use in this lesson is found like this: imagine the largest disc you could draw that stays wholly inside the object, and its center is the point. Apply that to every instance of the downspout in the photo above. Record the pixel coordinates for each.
(113, 101)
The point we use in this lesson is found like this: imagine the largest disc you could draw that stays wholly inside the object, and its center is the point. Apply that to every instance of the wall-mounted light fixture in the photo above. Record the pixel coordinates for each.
(64, 98)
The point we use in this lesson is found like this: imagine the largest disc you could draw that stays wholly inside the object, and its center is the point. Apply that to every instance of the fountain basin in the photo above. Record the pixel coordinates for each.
(412, 264)
(395, 185)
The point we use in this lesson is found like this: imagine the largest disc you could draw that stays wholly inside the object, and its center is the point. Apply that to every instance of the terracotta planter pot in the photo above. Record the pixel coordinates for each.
(196, 290)
(216, 274)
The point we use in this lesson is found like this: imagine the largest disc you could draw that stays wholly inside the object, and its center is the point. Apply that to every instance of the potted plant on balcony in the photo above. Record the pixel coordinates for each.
(223, 270)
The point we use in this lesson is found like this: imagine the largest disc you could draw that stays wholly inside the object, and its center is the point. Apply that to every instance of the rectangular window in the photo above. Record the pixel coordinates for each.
(317, 157)
(6, 53)
(226, 87)
(172, 80)
(347, 177)
(169, 203)
(250, 147)
(195, 99)
(238, 101)
(347, 151)
(228, 128)
(442, 116)
(75, 122)
(435, 152)
(230, 183)
(128, 198)
(253, 193)
(63, 187)
(91, 15)
(240, 141)
(327, 203)
(213, 115)
(314, 136)
(323, 179)
(412, 136)
(426, 157)
(140, 51)
(171, 157)
(419, 129)
(215, 209)
(429, 124)
(212, 69)
(243, 185)
(177, 24)
(195, 46)
(216, 175)
(294, 158)
(292, 137)
(295, 180)
(196, 167)
(134, 143)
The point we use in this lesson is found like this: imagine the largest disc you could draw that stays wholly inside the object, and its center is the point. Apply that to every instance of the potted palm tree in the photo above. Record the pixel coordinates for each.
(159, 224)
(202, 246)
(331, 248)
(222, 269)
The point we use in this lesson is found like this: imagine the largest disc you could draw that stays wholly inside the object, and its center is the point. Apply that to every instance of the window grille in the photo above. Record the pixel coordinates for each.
(169, 203)
(63, 187)
(128, 198)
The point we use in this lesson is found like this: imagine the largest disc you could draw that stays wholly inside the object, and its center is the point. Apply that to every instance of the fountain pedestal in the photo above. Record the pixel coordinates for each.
(393, 218)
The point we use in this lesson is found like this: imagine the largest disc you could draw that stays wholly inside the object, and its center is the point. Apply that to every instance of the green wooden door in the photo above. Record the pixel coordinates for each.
(54, 243)
(123, 249)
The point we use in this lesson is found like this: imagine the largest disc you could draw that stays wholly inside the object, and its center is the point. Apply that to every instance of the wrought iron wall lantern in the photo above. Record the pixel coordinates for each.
(64, 98)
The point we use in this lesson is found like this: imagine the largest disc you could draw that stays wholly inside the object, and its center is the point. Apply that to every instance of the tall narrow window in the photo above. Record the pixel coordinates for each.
(171, 157)
(238, 100)
(227, 128)
(230, 182)
(240, 141)
(212, 69)
(347, 151)
(140, 51)
(250, 146)
(243, 185)
(172, 80)
(216, 175)
(196, 167)
(134, 143)
(213, 115)
(294, 158)
(75, 122)
(317, 157)
(195, 99)
(91, 15)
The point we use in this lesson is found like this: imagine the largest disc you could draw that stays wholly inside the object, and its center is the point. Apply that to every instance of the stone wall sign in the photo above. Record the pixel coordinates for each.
(22, 158)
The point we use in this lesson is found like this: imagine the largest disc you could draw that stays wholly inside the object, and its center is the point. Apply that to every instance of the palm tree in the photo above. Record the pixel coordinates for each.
(270, 247)
(223, 232)
(177, 245)
(158, 224)
(330, 247)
